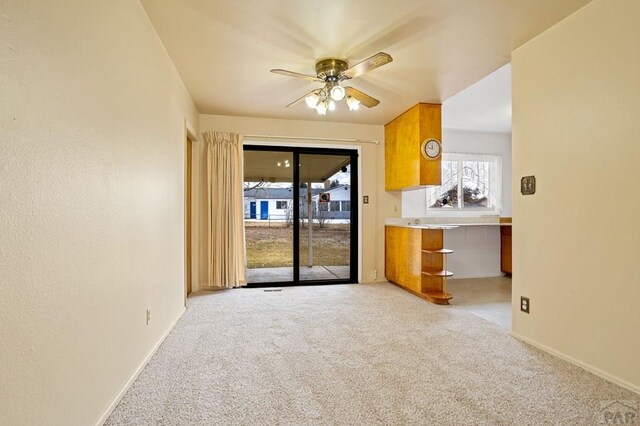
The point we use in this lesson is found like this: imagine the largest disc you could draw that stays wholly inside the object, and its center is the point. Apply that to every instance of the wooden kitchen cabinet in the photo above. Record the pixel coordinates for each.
(405, 166)
(416, 261)
(505, 249)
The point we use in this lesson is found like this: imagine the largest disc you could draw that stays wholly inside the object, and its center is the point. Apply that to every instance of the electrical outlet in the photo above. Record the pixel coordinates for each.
(148, 315)
(524, 304)
(365, 199)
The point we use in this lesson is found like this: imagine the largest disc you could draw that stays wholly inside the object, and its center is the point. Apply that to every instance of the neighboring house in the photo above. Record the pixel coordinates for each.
(276, 203)
(270, 203)
(339, 205)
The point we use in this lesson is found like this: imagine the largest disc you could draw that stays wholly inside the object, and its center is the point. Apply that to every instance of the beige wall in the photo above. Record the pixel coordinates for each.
(91, 225)
(372, 174)
(576, 103)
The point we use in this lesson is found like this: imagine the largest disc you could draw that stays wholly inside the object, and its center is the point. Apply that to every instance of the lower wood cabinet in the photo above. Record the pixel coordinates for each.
(415, 260)
(505, 249)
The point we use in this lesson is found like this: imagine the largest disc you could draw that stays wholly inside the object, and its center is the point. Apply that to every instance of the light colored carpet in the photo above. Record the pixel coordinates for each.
(352, 355)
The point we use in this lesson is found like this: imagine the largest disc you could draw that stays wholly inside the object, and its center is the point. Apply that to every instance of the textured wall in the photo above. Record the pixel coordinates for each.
(91, 224)
(576, 103)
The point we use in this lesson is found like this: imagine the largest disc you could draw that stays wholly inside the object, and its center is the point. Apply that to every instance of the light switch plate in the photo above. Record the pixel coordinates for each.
(528, 185)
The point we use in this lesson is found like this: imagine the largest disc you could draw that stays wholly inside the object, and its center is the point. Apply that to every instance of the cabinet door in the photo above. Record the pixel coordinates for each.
(505, 249)
(403, 257)
(391, 253)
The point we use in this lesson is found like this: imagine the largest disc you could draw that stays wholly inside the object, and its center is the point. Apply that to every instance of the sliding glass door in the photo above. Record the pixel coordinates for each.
(324, 229)
(300, 221)
(268, 215)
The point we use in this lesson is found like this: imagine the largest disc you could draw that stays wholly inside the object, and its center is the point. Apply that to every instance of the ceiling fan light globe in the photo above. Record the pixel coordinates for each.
(312, 100)
(353, 103)
(332, 105)
(337, 93)
(322, 108)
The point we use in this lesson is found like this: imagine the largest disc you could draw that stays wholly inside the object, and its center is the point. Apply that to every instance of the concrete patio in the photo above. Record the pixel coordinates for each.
(284, 274)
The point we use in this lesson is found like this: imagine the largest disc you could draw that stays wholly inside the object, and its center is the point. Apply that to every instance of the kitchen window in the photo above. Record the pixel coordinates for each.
(470, 182)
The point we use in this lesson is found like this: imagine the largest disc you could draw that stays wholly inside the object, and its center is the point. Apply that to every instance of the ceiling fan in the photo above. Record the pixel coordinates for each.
(331, 72)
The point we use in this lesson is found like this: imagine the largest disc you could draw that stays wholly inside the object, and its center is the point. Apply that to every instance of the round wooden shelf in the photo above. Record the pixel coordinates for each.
(437, 251)
(439, 298)
(438, 273)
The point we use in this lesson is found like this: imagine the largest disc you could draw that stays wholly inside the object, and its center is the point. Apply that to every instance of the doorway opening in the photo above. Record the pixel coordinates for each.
(300, 222)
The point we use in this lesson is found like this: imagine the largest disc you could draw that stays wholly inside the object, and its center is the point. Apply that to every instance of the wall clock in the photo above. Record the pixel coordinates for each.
(431, 149)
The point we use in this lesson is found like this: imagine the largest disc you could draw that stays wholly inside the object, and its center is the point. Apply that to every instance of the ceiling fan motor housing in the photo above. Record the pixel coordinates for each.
(329, 69)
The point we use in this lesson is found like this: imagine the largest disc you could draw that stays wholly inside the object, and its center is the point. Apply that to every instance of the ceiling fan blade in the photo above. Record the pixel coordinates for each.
(298, 75)
(364, 99)
(297, 101)
(369, 64)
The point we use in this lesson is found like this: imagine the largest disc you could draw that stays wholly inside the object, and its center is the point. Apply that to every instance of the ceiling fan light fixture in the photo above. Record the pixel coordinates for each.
(331, 72)
(322, 107)
(337, 93)
(312, 100)
(353, 103)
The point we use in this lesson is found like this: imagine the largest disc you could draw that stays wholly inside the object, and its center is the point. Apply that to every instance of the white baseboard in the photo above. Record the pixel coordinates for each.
(138, 370)
(618, 381)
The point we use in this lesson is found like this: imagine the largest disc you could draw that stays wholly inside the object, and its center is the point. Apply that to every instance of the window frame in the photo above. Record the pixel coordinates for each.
(495, 187)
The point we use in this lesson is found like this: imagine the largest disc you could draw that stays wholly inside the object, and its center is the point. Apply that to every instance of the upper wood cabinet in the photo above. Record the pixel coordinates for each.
(405, 167)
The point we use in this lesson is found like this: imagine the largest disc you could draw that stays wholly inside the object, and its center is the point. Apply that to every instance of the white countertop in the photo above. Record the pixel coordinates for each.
(425, 226)
(443, 225)
(444, 222)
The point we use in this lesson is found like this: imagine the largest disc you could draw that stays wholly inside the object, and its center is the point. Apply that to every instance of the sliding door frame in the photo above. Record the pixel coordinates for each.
(353, 214)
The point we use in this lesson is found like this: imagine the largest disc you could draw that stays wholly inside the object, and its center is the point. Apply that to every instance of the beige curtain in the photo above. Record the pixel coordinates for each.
(225, 218)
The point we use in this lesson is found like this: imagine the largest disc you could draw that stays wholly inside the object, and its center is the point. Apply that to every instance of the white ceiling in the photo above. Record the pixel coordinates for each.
(484, 106)
(224, 49)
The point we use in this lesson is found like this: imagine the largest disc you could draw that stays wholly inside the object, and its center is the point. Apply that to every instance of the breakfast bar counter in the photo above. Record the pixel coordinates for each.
(416, 259)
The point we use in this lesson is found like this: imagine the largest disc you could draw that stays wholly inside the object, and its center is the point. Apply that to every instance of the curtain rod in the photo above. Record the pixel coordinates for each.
(301, 138)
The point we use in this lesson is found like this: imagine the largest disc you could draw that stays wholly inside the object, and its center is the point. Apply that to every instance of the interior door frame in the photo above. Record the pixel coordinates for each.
(189, 139)
(354, 213)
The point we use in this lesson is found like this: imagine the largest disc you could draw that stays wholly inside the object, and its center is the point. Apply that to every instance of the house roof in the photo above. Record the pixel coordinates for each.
(277, 193)
(335, 188)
